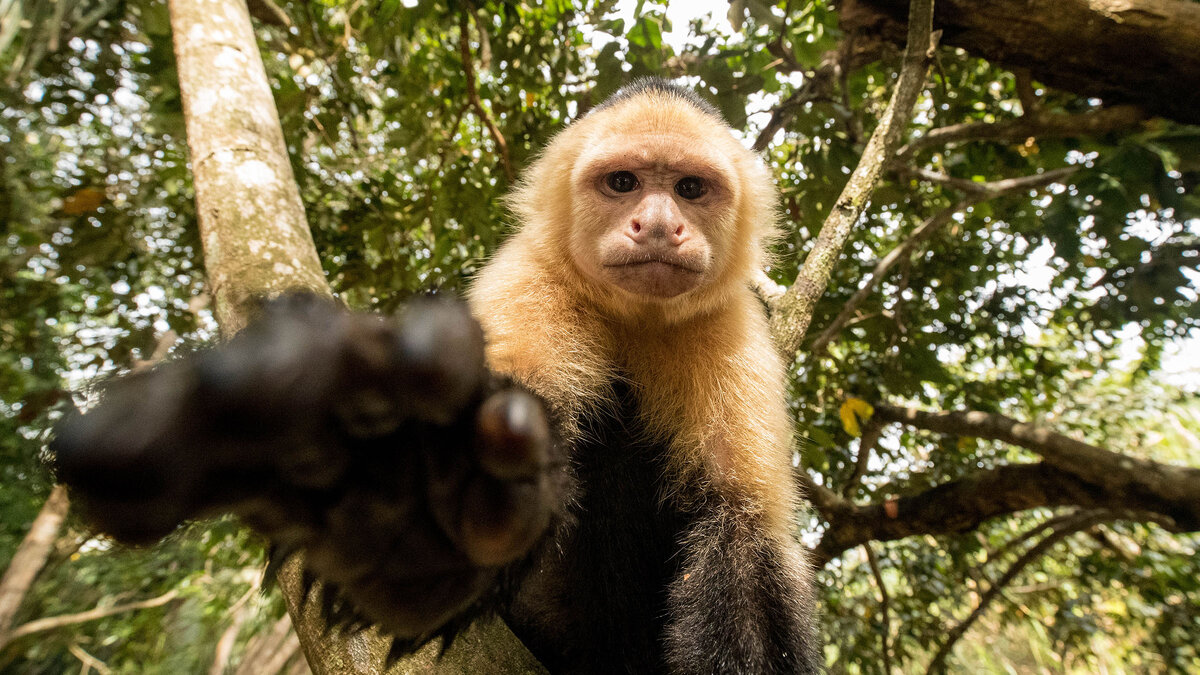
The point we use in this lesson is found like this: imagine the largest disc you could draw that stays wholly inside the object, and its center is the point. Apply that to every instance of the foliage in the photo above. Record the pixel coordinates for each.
(1064, 306)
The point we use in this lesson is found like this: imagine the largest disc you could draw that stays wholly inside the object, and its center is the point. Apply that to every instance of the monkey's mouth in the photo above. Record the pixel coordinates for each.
(679, 262)
(656, 276)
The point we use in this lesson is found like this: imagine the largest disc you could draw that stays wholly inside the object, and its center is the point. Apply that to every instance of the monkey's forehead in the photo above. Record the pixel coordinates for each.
(655, 109)
(659, 128)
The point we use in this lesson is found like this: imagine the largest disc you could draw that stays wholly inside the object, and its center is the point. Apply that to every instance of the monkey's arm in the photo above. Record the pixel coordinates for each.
(409, 476)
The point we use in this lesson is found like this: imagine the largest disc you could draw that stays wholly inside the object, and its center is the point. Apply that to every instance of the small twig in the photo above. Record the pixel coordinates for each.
(89, 662)
(1023, 79)
(994, 188)
(1064, 530)
(269, 13)
(464, 49)
(225, 644)
(1020, 540)
(1039, 125)
(817, 86)
(825, 500)
(866, 445)
(884, 603)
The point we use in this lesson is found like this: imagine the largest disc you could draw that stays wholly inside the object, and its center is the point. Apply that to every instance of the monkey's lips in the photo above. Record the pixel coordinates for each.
(655, 276)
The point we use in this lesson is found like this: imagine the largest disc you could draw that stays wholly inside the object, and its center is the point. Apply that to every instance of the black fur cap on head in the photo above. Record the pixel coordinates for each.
(644, 85)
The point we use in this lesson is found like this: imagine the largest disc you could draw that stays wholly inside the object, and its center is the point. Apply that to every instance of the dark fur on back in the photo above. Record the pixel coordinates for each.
(597, 602)
(644, 85)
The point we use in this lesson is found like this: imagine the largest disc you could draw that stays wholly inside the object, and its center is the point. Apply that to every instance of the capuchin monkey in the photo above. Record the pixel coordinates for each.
(606, 465)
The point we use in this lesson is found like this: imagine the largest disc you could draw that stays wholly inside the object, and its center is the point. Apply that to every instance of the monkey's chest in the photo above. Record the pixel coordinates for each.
(597, 602)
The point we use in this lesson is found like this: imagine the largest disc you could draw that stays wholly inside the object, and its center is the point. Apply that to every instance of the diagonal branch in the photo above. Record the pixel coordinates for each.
(53, 622)
(464, 50)
(977, 193)
(793, 313)
(31, 556)
(1062, 531)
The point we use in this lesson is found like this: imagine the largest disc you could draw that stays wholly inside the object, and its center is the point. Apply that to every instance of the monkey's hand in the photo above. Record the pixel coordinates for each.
(383, 449)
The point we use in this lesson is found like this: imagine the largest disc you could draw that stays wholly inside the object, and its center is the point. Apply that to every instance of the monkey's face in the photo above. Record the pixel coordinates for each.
(654, 213)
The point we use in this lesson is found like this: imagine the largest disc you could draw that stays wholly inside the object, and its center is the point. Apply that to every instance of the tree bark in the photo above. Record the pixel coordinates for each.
(31, 557)
(257, 244)
(252, 223)
(1143, 52)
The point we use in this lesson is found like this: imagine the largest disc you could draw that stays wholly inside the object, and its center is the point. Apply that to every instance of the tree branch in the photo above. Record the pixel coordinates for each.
(793, 314)
(1030, 125)
(53, 622)
(977, 193)
(1122, 51)
(825, 500)
(962, 505)
(1073, 473)
(866, 445)
(269, 13)
(89, 662)
(884, 602)
(817, 86)
(1173, 491)
(464, 50)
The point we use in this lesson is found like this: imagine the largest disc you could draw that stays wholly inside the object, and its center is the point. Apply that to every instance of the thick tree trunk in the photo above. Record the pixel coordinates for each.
(257, 243)
(1143, 52)
(252, 224)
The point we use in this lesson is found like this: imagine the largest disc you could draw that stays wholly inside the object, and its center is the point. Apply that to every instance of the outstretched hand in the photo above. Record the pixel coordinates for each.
(383, 449)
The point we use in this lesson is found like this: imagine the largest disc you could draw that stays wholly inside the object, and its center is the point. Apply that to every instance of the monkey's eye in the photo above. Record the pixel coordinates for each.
(621, 181)
(690, 187)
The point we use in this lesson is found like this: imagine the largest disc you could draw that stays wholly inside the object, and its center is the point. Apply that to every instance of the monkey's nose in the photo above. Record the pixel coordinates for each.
(644, 232)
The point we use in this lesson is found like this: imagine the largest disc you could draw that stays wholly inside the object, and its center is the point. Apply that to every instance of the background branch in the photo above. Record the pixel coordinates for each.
(793, 313)
(464, 49)
(1030, 125)
(962, 505)
(53, 622)
(30, 557)
(978, 193)
(884, 602)
(1062, 531)
(1121, 51)
(1173, 491)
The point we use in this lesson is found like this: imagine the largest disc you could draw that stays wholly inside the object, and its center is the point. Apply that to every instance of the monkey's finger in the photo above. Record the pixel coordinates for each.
(441, 358)
(501, 521)
(513, 436)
